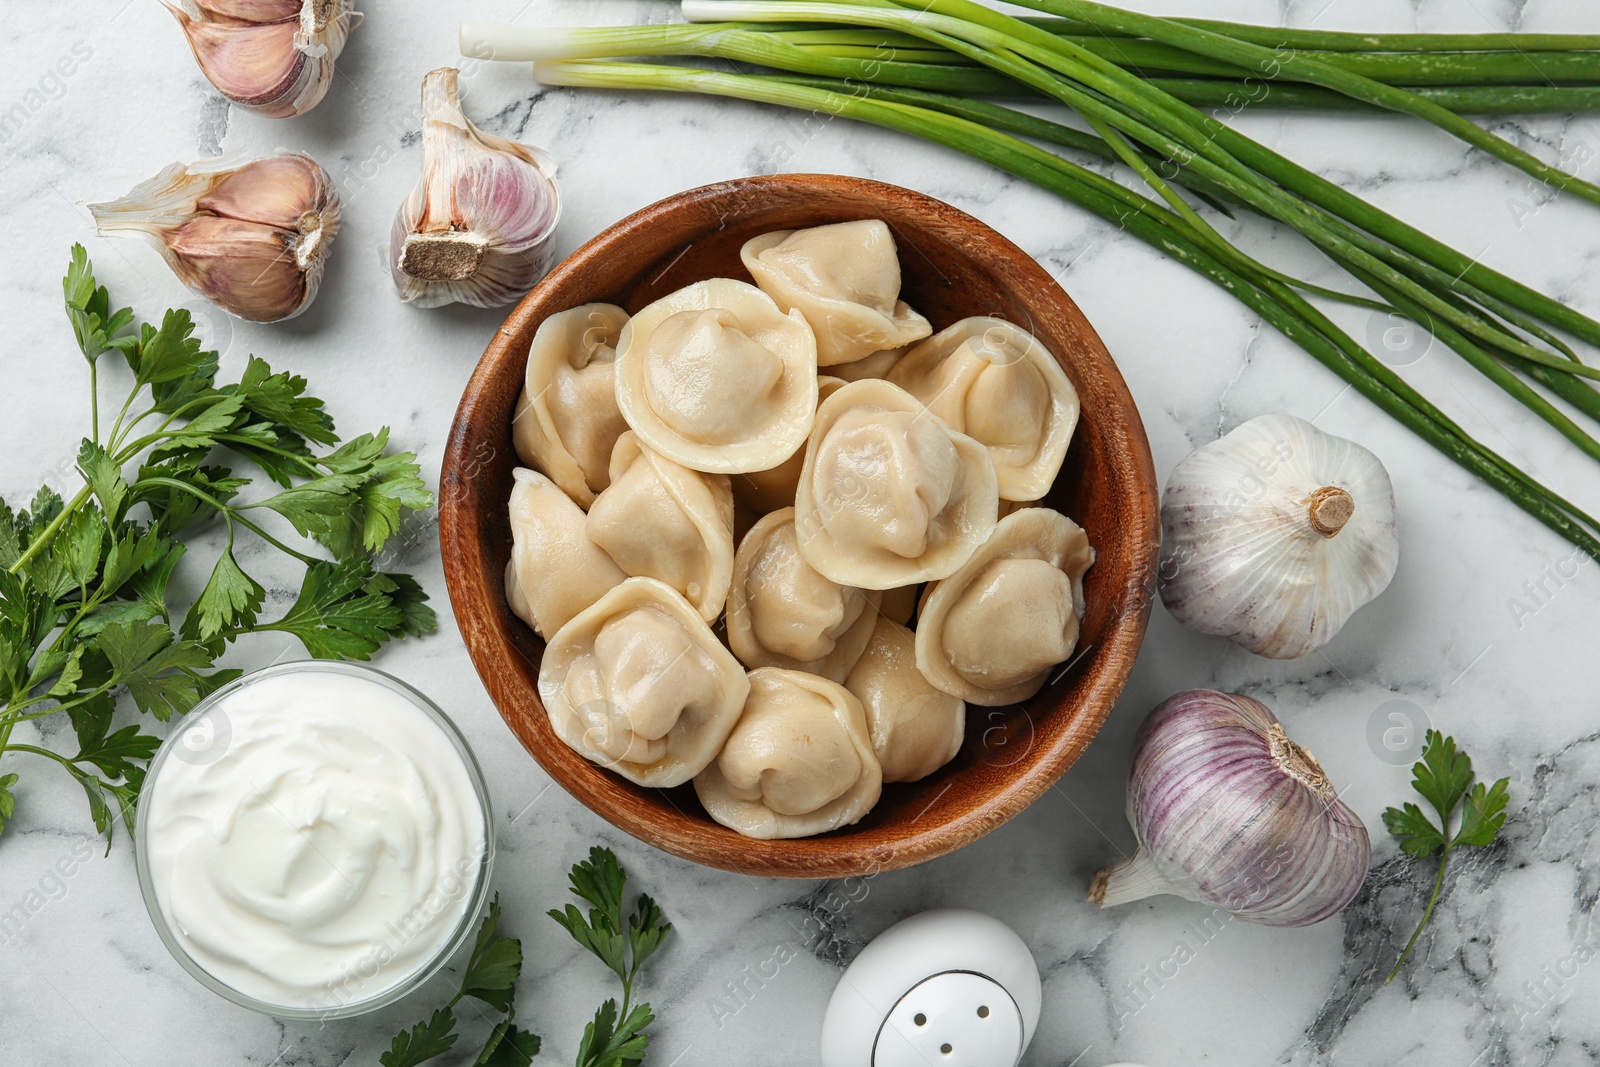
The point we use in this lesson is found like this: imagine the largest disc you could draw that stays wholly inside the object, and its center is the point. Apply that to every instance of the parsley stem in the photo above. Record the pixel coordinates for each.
(1438, 883)
(48, 533)
(94, 400)
(116, 427)
(308, 463)
(9, 718)
(228, 511)
(37, 751)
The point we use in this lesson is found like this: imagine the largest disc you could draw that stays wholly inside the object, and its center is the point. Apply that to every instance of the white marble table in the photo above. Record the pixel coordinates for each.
(1487, 632)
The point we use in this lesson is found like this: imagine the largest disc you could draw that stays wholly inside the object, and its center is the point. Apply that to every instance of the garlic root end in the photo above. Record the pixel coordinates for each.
(450, 256)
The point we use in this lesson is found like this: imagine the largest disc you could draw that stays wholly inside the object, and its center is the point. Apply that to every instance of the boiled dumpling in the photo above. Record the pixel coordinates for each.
(991, 632)
(764, 492)
(915, 728)
(877, 365)
(799, 761)
(890, 495)
(555, 570)
(715, 377)
(659, 519)
(845, 279)
(994, 382)
(567, 418)
(782, 613)
(639, 684)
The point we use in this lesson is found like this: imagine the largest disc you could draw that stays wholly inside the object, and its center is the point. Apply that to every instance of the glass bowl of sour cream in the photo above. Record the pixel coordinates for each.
(314, 840)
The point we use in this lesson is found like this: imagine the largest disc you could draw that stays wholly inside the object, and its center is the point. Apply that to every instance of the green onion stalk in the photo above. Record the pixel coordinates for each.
(874, 60)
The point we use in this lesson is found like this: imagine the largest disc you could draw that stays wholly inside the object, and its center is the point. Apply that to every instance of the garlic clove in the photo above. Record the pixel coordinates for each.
(245, 259)
(249, 10)
(254, 66)
(476, 228)
(272, 192)
(274, 57)
(252, 238)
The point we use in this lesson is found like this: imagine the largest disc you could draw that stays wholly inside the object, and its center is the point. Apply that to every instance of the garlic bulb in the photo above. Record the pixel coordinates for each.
(274, 57)
(476, 228)
(252, 239)
(1275, 534)
(1230, 812)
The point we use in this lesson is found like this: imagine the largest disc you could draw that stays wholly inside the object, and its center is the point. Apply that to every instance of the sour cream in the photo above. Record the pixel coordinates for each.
(314, 838)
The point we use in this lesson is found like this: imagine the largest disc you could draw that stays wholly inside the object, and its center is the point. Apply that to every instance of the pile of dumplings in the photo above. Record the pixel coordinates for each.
(870, 471)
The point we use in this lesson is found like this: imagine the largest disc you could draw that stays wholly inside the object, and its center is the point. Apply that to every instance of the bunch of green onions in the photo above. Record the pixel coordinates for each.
(931, 70)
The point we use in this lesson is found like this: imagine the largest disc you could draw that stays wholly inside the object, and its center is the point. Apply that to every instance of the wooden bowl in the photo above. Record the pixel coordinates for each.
(954, 266)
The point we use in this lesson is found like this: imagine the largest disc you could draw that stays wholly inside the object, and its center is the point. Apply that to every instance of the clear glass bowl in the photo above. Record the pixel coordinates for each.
(477, 896)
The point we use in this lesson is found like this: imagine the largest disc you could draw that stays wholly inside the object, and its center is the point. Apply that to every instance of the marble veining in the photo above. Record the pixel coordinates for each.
(1487, 631)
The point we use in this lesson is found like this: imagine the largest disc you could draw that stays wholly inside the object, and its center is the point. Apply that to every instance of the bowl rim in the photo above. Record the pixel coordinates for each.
(472, 598)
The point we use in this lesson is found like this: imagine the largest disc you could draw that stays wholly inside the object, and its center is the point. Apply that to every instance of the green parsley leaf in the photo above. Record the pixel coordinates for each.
(170, 353)
(508, 1047)
(1416, 832)
(173, 510)
(1443, 774)
(230, 600)
(149, 585)
(126, 794)
(600, 880)
(595, 934)
(383, 486)
(59, 663)
(281, 399)
(607, 1044)
(157, 668)
(99, 808)
(1484, 813)
(178, 394)
(131, 551)
(495, 963)
(109, 753)
(647, 929)
(422, 1042)
(78, 547)
(45, 507)
(8, 802)
(344, 611)
(404, 592)
(89, 307)
(393, 483)
(10, 538)
(201, 432)
(316, 506)
(104, 478)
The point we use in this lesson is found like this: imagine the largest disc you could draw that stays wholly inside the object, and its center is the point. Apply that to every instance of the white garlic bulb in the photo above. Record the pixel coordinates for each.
(251, 238)
(1275, 534)
(476, 228)
(273, 57)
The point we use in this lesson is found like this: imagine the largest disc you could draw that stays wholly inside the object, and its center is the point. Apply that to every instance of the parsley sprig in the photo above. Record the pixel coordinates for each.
(1444, 777)
(491, 977)
(85, 612)
(616, 1038)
